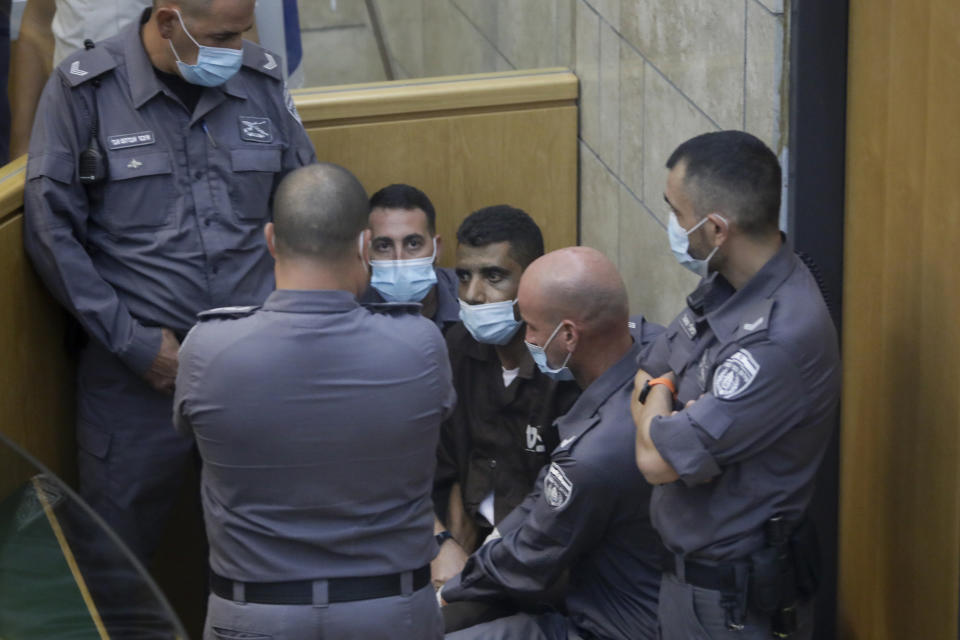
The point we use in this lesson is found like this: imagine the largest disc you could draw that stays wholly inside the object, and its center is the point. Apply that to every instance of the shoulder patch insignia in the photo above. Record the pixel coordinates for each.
(393, 308)
(557, 487)
(288, 100)
(86, 65)
(226, 313)
(735, 375)
(271, 62)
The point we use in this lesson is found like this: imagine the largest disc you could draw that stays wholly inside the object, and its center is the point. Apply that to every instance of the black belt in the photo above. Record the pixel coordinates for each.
(302, 591)
(720, 577)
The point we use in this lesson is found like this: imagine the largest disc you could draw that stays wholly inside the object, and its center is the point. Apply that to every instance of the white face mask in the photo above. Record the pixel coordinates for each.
(680, 245)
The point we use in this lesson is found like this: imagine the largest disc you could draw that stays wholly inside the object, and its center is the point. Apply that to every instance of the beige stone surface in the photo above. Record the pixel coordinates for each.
(631, 119)
(483, 13)
(587, 68)
(765, 38)
(657, 284)
(599, 206)
(609, 143)
(526, 32)
(564, 42)
(669, 119)
(609, 10)
(775, 6)
(403, 29)
(451, 44)
(698, 44)
(319, 14)
(343, 55)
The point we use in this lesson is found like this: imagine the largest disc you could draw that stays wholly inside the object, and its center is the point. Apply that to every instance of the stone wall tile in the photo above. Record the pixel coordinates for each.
(404, 34)
(669, 119)
(698, 44)
(564, 30)
(319, 14)
(765, 37)
(452, 45)
(775, 6)
(609, 143)
(483, 13)
(656, 283)
(526, 32)
(599, 206)
(362, 65)
(609, 10)
(631, 118)
(587, 67)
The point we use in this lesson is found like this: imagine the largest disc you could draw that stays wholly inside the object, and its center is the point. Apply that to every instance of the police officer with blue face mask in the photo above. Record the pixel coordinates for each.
(153, 160)
(404, 252)
(735, 403)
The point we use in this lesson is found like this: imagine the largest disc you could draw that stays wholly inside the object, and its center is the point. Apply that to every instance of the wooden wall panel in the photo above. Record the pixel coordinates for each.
(36, 377)
(900, 488)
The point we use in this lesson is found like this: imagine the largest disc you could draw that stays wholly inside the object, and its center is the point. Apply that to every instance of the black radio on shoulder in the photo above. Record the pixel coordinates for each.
(92, 164)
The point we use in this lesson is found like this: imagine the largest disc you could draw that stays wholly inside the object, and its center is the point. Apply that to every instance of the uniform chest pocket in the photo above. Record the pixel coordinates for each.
(139, 192)
(254, 173)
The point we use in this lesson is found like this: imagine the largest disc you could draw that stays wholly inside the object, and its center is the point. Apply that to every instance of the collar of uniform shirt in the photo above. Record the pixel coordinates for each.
(314, 301)
(594, 396)
(725, 318)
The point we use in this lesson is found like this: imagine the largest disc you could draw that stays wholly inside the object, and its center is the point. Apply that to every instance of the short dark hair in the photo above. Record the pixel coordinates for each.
(319, 212)
(503, 223)
(403, 196)
(735, 173)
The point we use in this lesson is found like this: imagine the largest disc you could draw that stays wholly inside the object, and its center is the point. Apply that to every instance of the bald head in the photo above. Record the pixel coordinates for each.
(319, 211)
(578, 283)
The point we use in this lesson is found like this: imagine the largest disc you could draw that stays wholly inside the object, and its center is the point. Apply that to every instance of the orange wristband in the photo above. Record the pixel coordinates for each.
(665, 382)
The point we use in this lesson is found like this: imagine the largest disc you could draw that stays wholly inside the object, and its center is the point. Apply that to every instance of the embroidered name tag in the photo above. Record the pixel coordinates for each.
(125, 140)
(256, 129)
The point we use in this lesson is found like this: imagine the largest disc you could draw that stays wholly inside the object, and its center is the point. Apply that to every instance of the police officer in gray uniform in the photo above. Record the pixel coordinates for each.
(317, 421)
(733, 429)
(153, 159)
(589, 511)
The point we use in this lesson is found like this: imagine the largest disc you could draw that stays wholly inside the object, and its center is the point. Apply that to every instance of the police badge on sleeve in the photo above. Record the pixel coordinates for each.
(735, 375)
(557, 487)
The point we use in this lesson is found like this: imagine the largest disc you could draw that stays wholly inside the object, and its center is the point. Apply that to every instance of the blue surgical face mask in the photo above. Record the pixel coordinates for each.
(215, 65)
(680, 245)
(539, 355)
(491, 323)
(404, 280)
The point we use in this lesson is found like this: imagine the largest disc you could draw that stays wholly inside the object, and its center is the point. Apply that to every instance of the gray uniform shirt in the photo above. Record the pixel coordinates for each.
(317, 421)
(763, 365)
(589, 513)
(177, 225)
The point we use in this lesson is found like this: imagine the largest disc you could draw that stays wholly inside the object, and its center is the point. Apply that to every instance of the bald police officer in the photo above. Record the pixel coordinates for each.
(752, 363)
(589, 511)
(153, 159)
(317, 421)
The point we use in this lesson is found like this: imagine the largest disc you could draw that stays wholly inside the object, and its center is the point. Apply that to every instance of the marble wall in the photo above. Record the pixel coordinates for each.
(652, 74)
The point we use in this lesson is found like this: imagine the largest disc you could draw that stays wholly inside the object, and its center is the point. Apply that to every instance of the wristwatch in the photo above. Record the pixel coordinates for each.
(652, 382)
(442, 537)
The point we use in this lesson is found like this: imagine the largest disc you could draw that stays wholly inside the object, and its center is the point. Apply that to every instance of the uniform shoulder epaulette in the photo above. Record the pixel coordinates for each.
(226, 313)
(394, 308)
(263, 60)
(86, 65)
(755, 319)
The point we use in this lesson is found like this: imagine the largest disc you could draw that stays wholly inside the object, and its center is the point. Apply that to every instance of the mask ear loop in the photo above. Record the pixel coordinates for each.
(717, 247)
